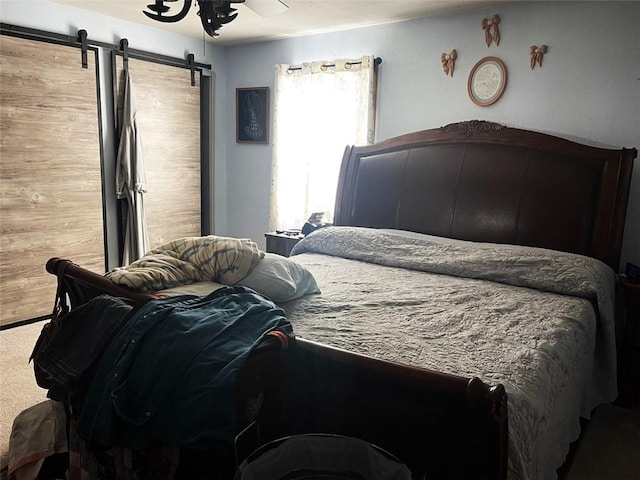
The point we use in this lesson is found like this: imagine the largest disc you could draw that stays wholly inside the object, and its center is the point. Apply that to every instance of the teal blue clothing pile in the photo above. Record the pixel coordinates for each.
(168, 375)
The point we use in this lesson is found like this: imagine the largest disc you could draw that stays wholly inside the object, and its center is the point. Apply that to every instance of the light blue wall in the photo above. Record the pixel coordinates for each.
(587, 89)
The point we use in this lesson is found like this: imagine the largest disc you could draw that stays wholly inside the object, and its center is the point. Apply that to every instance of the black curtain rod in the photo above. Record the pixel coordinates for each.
(34, 34)
(157, 58)
(377, 61)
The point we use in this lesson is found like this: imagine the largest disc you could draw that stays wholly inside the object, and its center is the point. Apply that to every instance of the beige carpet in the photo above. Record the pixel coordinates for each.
(609, 448)
(18, 388)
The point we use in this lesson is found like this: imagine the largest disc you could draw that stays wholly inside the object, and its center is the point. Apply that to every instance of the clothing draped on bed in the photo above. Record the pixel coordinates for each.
(167, 375)
(70, 357)
(538, 321)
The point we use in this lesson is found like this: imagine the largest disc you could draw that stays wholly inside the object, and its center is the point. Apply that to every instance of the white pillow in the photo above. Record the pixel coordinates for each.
(280, 278)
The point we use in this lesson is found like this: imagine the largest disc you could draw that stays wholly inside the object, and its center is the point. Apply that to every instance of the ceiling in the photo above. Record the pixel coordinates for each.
(261, 20)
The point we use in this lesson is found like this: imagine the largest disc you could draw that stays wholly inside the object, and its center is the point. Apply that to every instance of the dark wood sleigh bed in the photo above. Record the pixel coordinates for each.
(472, 181)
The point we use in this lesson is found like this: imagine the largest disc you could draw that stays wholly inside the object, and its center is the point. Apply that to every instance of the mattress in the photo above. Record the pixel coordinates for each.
(538, 321)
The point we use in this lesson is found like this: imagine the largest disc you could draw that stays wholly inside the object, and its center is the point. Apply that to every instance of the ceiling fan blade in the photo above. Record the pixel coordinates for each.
(267, 8)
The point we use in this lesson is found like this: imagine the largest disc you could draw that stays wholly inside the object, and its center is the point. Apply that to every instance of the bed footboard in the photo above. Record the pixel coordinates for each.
(441, 426)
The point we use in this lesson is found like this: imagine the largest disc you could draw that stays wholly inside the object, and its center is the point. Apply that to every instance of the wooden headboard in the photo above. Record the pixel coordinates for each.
(481, 181)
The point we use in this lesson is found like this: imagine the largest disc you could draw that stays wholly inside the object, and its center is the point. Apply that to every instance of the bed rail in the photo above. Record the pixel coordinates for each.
(82, 285)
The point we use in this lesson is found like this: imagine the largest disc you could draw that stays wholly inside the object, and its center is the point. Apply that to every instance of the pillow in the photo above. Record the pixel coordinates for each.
(280, 278)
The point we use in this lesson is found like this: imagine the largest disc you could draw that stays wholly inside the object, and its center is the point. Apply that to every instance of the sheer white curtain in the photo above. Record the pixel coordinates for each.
(319, 109)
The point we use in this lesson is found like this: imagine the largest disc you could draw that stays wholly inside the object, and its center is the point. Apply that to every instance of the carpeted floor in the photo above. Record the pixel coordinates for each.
(18, 388)
(609, 448)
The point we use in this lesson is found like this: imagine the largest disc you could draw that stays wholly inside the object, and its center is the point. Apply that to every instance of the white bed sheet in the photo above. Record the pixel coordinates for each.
(197, 288)
(553, 351)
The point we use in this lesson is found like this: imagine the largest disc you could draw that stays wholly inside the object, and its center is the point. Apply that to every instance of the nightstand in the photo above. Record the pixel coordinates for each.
(629, 357)
(281, 243)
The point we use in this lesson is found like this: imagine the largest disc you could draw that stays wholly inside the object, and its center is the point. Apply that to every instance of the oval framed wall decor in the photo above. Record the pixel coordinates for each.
(487, 81)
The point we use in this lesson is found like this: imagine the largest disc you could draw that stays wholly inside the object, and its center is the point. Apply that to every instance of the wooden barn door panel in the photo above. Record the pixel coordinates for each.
(168, 109)
(51, 187)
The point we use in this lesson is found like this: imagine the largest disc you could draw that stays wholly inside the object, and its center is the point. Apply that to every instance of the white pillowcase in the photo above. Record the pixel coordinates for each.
(280, 278)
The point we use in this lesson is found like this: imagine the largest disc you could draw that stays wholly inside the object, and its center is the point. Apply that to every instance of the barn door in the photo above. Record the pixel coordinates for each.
(168, 110)
(50, 170)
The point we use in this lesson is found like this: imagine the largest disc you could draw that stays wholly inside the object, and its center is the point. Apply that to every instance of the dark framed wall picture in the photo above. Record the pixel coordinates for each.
(252, 115)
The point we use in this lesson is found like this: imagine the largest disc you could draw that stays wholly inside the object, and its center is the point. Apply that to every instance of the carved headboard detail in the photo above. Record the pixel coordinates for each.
(472, 127)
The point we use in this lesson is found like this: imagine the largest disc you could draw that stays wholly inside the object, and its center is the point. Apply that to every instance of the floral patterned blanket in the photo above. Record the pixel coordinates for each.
(188, 260)
(538, 321)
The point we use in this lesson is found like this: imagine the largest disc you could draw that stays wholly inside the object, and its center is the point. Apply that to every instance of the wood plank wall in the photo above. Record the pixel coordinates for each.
(50, 170)
(169, 121)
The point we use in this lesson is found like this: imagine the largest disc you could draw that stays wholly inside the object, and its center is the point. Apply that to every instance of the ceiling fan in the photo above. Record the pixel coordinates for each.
(214, 14)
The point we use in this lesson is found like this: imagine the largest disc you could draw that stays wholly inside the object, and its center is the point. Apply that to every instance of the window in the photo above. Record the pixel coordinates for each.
(319, 109)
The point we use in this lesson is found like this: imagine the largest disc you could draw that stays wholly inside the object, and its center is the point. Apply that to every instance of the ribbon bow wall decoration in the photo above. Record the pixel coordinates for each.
(491, 30)
(536, 53)
(449, 61)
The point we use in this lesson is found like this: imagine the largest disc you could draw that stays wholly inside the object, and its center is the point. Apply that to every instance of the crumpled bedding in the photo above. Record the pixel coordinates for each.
(190, 259)
(538, 321)
(37, 433)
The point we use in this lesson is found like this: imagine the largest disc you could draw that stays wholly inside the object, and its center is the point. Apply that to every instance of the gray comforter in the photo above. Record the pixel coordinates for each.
(538, 321)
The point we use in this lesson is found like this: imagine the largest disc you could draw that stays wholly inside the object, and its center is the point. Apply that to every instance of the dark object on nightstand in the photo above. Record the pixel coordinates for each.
(629, 357)
(281, 243)
(316, 220)
(307, 228)
(632, 272)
